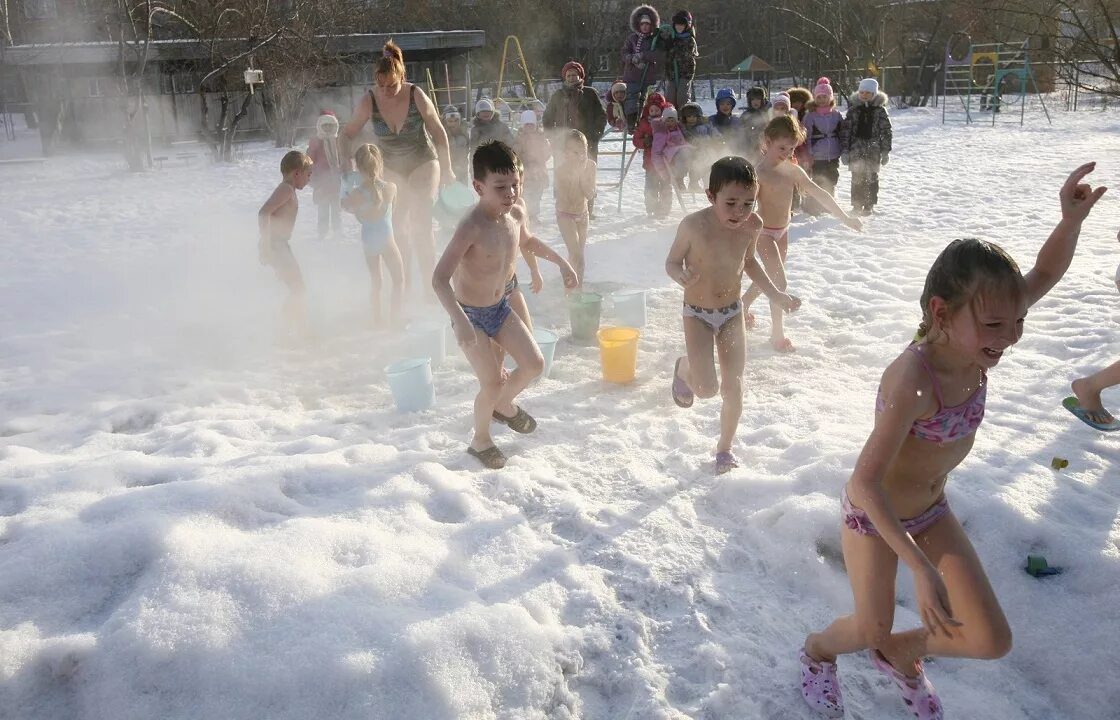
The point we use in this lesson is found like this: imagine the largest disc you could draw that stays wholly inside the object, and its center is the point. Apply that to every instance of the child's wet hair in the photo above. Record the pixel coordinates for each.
(967, 270)
(494, 157)
(369, 161)
(294, 160)
(731, 170)
(784, 127)
(575, 136)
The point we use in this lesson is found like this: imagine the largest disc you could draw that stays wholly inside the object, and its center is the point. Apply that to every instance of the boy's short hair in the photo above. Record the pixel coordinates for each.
(731, 170)
(494, 157)
(784, 126)
(294, 160)
(574, 135)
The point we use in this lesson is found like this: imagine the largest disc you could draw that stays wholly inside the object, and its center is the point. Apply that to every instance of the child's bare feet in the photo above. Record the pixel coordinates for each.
(782, 344)
(1090, 401)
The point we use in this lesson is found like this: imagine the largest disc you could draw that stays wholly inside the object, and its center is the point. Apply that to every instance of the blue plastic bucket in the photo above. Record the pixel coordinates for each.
(546, 341)
(411, 384)
(629, 307)
(453, 203)
(428, 339)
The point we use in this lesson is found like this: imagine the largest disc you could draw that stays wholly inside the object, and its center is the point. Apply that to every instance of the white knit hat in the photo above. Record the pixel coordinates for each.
(528, 117)
(483, 105)
(870, 85)
(669, 114)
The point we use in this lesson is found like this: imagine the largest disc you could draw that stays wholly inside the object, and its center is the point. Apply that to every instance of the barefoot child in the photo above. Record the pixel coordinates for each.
(712, 250)
(372, 202)
(930, 403)
(275, 220)
(1086, 404)
(778, 179)
(574, 189)
(471, 281)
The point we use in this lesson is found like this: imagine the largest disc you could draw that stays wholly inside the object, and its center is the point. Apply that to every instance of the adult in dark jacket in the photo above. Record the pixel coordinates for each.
(578, 107)
(640, 59)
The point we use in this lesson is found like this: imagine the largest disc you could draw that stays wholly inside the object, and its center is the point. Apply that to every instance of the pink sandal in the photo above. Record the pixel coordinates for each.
(820, 687)
(917, 692)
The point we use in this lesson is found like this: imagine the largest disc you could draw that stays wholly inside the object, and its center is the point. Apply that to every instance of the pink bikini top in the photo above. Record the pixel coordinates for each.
(949, 423)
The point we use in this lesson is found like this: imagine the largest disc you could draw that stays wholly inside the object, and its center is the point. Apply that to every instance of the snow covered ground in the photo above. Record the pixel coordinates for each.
(197, 521)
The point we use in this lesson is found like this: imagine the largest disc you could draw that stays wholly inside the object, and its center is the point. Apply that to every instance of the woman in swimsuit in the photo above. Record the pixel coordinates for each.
(930, 403)
(405, 123)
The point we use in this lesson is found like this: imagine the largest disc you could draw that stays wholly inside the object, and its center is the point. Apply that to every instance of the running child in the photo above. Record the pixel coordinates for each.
(574, 190)
(1086, 402)
(778, 180)
(372, 203)
(471, 281)
(712, 250)
(930, 403)
(275, 219)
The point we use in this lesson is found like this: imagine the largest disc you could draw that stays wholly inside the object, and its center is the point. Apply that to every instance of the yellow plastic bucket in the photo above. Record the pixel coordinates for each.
(618, 352)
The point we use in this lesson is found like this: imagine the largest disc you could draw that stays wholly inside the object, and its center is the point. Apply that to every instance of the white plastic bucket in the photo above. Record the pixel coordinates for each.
(411, 384)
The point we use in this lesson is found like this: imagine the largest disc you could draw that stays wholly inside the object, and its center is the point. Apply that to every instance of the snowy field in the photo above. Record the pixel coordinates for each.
(197, 521)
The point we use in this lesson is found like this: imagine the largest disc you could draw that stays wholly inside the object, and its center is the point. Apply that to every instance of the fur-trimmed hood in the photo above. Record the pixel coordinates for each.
(644, 10)
(800, 95)
(880, 100)
(695, 109)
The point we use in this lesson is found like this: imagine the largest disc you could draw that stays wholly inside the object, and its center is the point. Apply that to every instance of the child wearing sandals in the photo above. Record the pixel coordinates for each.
(574, 191)
(473, 281)
(372, 203)
(1086, 403)
(712, 250)
(930, 403)
(778, 180)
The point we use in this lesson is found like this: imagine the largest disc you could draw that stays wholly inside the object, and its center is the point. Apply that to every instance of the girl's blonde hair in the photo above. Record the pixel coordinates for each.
(784, 126)
(965, 271)
(370, 165)
(391, 62)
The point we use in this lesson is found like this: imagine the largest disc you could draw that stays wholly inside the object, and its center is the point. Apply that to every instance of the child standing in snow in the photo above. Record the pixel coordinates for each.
(616, 106)
(778, 180)
(534, 150)
(1086, 403)
(702, 139)
(671, 154)
(643, 140)
(714, 247)
(457, 139)
(326, 178)
(754, 120)
(275, 220)
(473, 281)
(372, 203)
(824, 128)
(574, 191)
(724, 123)
(681, 54)
(868, 143)
(929, 406)
(488, 125)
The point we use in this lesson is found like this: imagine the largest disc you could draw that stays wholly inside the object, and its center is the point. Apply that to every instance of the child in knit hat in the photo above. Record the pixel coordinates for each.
(533, 148)
(457, 140)
(824, 130)
(680, 53)
(616, 106)
(326, 177)
(754, 120)
(867, 146)
(671, 155)
(643, 140)
(488, 125)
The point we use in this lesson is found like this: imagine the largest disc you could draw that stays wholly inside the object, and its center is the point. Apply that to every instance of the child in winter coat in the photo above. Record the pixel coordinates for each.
(488, 125)
(326, 174)
(825, 130)
(643, 140)
(754, 119)
(680, 57)
(457, 139)
(724, 124)
(672, 154)
(615, 101)
(799, 97)
(868, 143)
(704, 142)
(534, 150)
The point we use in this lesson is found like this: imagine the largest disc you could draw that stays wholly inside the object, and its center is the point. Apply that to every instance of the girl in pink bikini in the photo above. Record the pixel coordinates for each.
(930, 402)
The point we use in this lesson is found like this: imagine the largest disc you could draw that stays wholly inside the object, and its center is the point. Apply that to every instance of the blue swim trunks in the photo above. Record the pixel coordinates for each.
(488, 319)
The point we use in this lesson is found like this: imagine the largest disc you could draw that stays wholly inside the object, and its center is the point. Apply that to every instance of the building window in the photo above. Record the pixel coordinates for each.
(40, 9)
(604, 62)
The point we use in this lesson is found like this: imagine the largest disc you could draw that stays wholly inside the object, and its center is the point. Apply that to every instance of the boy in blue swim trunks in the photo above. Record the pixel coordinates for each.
(714, 247)
(471, 281)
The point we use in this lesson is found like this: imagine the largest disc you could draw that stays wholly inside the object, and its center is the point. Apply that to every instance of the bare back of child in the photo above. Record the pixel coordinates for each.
(778, 179)
(712, 250)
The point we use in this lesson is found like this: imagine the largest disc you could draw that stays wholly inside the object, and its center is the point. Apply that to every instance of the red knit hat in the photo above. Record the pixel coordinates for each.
(573, 65)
